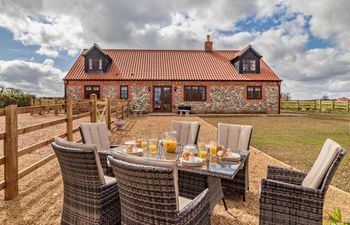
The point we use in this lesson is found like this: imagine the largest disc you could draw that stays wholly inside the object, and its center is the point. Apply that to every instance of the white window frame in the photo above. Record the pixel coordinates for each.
(90, 64)
(100, 64)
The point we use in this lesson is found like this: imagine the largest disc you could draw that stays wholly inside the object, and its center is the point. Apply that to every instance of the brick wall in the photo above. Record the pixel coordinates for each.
(221, 96)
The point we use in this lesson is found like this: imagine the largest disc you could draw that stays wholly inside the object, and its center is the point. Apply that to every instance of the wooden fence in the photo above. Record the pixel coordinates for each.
(321, 105)
(98, 111)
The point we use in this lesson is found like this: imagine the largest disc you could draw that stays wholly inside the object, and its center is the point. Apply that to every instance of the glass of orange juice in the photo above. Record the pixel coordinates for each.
(144, 143)
(153, 144)
(202, 154)
(212, 148)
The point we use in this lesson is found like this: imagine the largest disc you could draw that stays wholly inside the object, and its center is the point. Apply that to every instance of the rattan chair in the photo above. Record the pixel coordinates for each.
(287, 196)
(236, 137)
(97, 133)
(89, 196)
(148, 196)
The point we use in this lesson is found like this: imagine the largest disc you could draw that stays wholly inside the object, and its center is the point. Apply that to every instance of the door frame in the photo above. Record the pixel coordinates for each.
(153, 97)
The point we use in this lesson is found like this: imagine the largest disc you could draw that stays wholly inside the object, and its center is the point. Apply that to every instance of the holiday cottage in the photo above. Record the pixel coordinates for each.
(207, 81)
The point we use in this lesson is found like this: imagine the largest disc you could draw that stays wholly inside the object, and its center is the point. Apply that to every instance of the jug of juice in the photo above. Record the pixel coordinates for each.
(170, 142)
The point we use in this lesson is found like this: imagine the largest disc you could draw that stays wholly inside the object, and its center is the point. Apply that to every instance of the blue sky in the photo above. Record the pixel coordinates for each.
(306, 46)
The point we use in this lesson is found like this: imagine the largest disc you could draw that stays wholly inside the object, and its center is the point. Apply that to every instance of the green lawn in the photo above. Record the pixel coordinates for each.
(298, 140)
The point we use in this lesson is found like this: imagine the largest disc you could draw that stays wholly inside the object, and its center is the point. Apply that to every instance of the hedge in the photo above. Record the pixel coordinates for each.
(19, 99)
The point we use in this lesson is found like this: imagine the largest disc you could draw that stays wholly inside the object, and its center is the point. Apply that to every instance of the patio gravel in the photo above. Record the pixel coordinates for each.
(40, 198)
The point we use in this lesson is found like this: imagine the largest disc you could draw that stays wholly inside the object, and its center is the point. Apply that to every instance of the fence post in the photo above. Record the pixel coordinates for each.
(41, 106)
(32, 103)
(108, 112)
(315, 104)
(298, 104)
(10, 151)
(56, 107)
(93, 115)
(333, 104)
(69, 117)
(347, 105)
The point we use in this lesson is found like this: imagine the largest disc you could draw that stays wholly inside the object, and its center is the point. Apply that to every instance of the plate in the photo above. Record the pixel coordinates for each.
(130, 142)
(136, 151)
(196, 162)
(233, 157)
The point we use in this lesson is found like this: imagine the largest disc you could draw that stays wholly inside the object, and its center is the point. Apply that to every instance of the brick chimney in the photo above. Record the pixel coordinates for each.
(208, 45)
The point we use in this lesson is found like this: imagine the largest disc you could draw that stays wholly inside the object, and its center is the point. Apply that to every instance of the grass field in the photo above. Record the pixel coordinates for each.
(297, 140)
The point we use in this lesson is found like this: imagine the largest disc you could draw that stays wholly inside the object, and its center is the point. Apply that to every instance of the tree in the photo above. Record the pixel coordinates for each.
(325, 97)
(286, 96)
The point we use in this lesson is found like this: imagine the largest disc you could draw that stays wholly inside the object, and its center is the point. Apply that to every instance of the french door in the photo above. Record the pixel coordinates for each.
(162, 99)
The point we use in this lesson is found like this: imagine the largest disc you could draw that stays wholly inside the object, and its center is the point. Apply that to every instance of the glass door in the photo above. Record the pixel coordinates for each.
(162, 99)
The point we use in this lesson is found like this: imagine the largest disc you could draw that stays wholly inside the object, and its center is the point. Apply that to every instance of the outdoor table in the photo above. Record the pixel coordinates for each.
(193, 180)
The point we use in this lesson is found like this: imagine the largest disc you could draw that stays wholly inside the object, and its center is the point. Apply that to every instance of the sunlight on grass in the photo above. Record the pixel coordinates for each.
(297, 141)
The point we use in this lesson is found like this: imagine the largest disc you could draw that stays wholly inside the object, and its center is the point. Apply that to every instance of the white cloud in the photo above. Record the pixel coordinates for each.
(71, 25)
(41, 79)
(329, 19)
(47, 52)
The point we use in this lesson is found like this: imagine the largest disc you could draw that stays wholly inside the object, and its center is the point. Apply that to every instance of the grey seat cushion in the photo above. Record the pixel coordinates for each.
(96, 133)
(186, 132)
(234, 136)
(322, 164)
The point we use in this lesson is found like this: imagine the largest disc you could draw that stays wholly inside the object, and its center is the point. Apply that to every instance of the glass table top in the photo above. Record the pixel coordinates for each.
(211, 166)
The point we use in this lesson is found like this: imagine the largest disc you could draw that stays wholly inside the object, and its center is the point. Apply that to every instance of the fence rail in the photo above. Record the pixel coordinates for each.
(321, 105)
(97, 111)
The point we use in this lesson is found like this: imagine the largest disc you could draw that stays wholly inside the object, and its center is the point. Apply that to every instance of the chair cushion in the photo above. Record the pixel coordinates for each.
(152, 162)
(109, 179)
(322, 164)
(234, 136)
(186, 132)
(183, 202)
(89, 147)
(96, 133)
(244, 137)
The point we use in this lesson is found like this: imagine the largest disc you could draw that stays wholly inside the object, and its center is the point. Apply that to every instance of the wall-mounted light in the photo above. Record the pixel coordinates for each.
(175, 88)
(149, 89)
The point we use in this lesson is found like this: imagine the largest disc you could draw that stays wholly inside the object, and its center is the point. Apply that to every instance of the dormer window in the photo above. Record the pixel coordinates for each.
(249, 65)
(96, 61)
(247, 61)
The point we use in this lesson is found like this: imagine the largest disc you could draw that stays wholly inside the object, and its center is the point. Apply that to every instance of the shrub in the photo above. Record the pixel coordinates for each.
(19, 99)
(335, 218)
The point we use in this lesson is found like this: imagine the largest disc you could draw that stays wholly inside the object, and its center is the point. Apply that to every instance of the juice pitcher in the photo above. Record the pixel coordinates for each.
(170, 141)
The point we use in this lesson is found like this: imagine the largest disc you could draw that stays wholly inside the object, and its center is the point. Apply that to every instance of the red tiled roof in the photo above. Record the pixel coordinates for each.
(170, 65)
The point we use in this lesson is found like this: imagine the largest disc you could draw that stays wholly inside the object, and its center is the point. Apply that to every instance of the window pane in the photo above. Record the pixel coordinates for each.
(202, 93)
(90, 64)
(257, 92)
(96, 88)
(245, 65)
(88, 88)
(252, 65)
(100, 64)
(124, 92)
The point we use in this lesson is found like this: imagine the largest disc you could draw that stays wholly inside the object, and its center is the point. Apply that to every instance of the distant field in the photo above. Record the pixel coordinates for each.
(298, 140)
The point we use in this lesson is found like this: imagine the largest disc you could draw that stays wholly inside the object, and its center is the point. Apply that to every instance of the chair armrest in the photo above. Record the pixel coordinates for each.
(285, 175)
(197, 211)
(107, 170)
(278, 191)
(109, 193)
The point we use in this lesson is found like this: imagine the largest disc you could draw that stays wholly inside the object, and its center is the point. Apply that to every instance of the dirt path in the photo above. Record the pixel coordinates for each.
(40, 198)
